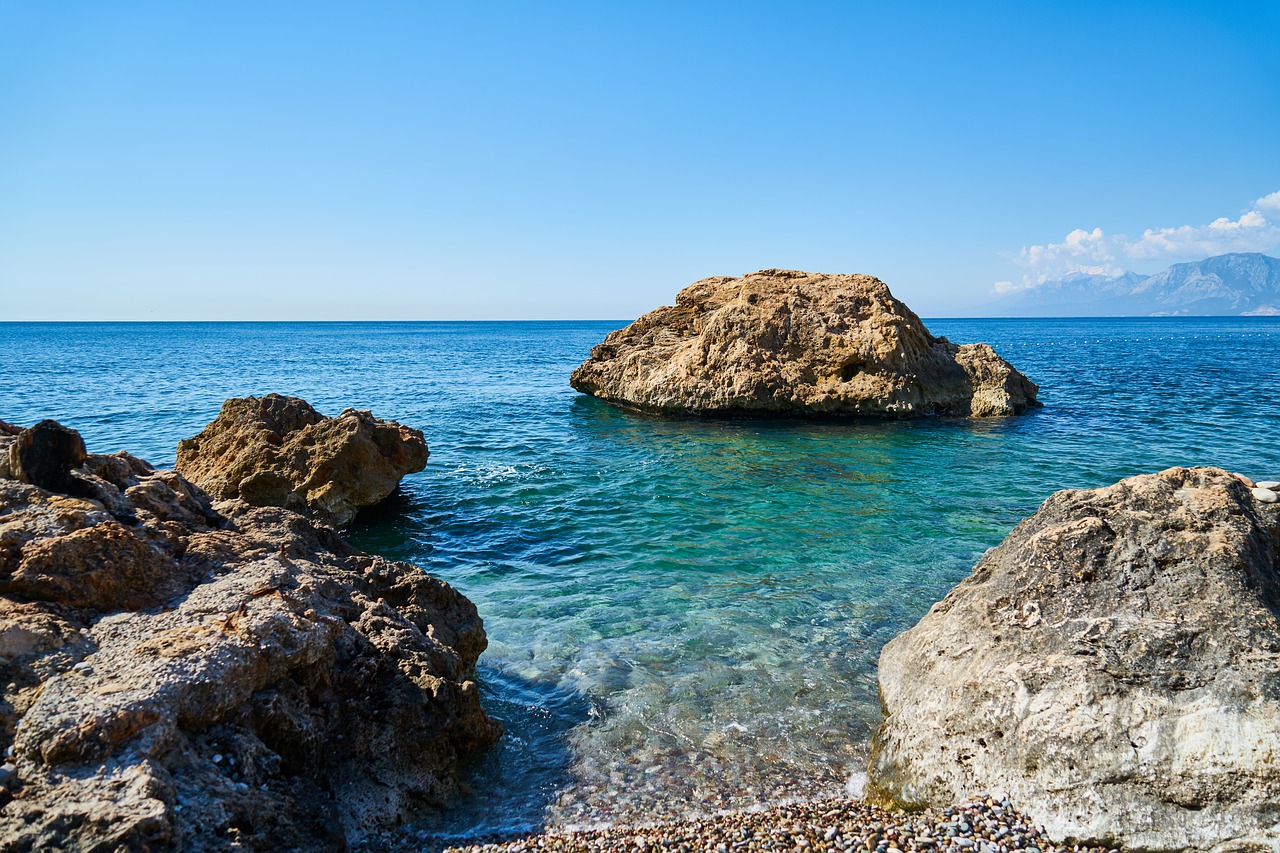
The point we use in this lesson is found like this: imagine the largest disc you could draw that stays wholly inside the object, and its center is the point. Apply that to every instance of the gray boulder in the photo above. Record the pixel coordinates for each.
(1113, 667)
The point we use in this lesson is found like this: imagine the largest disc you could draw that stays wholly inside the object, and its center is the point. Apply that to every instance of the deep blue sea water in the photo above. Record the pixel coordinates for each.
(682, 614)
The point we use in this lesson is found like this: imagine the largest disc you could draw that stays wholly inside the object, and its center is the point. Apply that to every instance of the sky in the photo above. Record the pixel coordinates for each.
(418, 160)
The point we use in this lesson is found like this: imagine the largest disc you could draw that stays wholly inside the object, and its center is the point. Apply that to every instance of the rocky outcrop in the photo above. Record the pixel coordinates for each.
(180, 675)
(1113, 667)
(279, 451)
(787, 343)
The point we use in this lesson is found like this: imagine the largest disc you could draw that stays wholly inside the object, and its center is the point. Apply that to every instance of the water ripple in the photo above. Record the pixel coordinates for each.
(682, 614)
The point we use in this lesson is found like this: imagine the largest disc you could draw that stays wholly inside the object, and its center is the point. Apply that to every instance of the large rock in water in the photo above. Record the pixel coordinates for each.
(787, 343)
(1113, 666)
(279, 451)
(180, 676)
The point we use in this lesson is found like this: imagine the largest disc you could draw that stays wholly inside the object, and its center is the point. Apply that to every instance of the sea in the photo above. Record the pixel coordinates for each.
(683, 616)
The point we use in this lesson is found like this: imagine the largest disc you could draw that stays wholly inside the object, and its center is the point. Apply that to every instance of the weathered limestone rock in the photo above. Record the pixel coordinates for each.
(1113, 666)
(278, 451)
(787, 343)
(175, 675)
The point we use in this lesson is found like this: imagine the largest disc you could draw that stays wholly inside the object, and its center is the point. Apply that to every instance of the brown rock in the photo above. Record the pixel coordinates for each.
(44, 456)
(333, 687)
(787, 343)
(1113, 667)
(278, 451)
(104, 567)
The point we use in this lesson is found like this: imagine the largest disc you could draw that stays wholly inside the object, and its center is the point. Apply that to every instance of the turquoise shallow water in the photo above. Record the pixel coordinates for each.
(680, 613)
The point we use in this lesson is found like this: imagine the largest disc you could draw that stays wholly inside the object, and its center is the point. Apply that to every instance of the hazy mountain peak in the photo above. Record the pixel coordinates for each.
(1236, 284)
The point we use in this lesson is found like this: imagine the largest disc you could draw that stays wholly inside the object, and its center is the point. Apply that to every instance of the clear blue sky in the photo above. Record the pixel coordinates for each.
(417, 160)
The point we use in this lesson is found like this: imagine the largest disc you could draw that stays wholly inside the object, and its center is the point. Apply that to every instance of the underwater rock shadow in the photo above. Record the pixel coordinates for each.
(591, 413)
(507, 791)
(400, 504)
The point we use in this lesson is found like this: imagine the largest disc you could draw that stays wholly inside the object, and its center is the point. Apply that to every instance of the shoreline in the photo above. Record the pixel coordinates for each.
(833, 823)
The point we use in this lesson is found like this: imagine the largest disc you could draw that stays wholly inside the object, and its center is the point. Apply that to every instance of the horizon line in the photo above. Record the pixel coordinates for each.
(624, 320)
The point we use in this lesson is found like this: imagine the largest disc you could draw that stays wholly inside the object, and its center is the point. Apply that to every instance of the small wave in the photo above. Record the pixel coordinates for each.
(489, 474)
(857, 785)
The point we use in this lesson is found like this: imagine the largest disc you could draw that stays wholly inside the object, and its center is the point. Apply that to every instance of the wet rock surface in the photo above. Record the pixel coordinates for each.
(789, 343)
(279, 451)
(180, 675)
(1114, 665)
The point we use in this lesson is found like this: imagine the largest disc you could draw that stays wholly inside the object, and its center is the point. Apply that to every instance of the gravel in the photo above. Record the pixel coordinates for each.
(980, 826)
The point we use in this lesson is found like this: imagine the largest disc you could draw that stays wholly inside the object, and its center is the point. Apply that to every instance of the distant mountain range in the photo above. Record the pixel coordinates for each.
(1236, 285)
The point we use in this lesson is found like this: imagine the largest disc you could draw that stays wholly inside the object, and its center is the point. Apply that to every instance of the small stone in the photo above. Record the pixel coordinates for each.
(1271, 485)
(1265, 496)
(7, 773)
(217, 759)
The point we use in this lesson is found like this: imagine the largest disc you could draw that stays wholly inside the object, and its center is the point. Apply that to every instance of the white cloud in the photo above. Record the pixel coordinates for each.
(1095, 252)
(1268, 203)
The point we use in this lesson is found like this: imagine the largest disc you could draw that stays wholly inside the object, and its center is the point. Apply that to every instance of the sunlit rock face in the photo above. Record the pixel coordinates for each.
(1113, 667)
(279, 451)
(177, 674)
(797, 344)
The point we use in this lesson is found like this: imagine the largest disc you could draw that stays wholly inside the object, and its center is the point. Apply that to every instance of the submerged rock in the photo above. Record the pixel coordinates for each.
(180, 675)
(1114, 666)
(787, 343)
(279, 451)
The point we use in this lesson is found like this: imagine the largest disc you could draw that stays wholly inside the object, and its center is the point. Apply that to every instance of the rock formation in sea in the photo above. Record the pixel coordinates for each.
(787, 343)
(1113, 667)
(279, 451)
(178, 674)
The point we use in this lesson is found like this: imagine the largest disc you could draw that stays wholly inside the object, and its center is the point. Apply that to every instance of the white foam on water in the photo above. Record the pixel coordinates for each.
(857, 784)
(496, 473)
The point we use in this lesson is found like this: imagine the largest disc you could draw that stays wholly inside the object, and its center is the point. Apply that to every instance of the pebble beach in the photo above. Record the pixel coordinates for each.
(839, 824)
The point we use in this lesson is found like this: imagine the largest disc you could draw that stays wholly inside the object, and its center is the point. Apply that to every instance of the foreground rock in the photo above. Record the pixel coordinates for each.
(786, 343)
(1113, 666)
(279, 451)
(180, 676)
